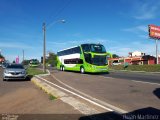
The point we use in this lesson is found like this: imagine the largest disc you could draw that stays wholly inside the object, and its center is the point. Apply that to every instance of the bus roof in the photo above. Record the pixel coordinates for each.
(80, 45)
(68, 48)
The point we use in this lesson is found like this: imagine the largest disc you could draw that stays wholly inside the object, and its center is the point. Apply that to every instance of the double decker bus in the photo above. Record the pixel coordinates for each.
(84, 58)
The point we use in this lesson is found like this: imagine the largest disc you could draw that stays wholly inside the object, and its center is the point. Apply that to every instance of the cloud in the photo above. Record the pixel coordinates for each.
(123, 50)
(14, 45)
(81, 41)
(57, 43)
(12, 57)
(137, 29)
(56, 46)
(146, 10)
(143, 36)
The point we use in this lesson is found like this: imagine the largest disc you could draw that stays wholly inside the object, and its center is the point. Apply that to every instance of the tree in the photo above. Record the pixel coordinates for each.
(1, 56)
(115, 56)
(52, 59)
(25, 62)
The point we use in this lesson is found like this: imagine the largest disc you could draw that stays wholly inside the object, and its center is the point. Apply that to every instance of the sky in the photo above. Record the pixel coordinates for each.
(120, 25)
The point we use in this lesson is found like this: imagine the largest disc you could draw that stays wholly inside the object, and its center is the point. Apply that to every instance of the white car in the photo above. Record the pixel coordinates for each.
(14, 71)
(116, 62)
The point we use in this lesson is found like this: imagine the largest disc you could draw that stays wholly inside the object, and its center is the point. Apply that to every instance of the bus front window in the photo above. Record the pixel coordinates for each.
(98, 48)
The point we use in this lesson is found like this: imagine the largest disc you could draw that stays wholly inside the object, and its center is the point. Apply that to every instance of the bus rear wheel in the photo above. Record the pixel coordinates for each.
(82, 70)
(61, 68)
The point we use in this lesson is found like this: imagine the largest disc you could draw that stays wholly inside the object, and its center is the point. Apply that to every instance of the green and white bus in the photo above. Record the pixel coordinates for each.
(84, 58)
(34, 63)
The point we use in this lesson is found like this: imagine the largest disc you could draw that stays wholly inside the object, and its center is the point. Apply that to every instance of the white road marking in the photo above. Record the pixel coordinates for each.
(134, 81)
(95, 99)
(145, 82)
(113, 108)
(78, 105)
(90, 97)
(76, 94)
(107, 77)
(83, 108)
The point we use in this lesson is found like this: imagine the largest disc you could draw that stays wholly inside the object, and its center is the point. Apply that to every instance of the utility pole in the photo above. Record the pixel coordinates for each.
(44, 47)
(44, 43)
(157, 50)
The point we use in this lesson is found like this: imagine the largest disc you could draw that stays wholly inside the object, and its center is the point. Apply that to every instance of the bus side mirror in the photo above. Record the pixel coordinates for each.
(109, 54)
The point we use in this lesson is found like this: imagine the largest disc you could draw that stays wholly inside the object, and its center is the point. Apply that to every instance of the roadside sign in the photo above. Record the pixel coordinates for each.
(17, 60)
(154, 31)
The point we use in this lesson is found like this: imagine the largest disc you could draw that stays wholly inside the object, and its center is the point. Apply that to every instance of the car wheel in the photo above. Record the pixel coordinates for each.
(82, 70)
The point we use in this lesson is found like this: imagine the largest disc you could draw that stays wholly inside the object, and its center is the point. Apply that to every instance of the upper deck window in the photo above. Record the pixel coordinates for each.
(97, 48)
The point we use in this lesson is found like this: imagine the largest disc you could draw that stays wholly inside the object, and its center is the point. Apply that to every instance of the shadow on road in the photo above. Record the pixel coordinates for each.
(157, 92)
(87, 73)
(140, 114)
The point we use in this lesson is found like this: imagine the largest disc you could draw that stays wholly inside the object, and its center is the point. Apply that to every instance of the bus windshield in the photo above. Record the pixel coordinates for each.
(99, 60)
(97, 48)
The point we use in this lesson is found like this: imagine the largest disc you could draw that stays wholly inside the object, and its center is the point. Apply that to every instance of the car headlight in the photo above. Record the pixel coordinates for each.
(23, 72)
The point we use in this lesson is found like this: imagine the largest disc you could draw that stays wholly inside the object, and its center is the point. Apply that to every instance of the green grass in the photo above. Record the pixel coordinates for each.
(51, 97)
(34, 71)
(147, 68)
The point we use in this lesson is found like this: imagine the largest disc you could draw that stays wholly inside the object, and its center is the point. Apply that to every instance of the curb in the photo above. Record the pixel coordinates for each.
(75, 103)
(47, 88)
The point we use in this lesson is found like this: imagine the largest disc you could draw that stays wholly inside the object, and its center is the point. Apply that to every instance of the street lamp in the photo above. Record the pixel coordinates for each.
(44, 41)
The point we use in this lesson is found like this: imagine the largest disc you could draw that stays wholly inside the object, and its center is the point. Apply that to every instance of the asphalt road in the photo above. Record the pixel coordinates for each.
(137, 76)
(28, 101)
(120, 92)
(145, 77)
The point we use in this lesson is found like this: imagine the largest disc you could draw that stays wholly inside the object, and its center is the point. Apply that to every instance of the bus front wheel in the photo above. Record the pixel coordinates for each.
(82, 70)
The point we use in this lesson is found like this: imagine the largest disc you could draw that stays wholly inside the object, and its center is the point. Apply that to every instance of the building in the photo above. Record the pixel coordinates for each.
(136, 54)
(135, 58)
(2, 60)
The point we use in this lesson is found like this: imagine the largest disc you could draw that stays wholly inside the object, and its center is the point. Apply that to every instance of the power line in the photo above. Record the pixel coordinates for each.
(59, 12)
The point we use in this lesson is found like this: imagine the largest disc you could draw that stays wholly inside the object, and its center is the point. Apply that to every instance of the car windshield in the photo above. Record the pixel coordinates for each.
(15, 66)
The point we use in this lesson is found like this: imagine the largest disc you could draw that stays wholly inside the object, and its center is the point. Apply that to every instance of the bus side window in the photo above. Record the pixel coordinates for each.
(87, 57)
(86, 48)
(80, 61)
